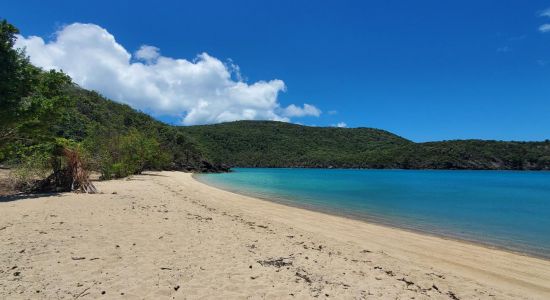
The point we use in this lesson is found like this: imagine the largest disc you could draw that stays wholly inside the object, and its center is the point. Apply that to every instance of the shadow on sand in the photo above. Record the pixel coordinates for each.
(10, 198)
(151, 174)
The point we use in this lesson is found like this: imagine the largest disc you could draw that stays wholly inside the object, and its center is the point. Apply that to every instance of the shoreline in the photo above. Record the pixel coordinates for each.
(165, 235)
(379, 221)
(396, 169)
(464, 258)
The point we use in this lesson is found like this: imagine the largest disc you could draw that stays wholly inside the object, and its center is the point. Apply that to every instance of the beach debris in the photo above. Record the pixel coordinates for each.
(78, 257)
(73, 176)
(165, 268)
(452, 295)
(176, 288)
(436, 275)
(304, 277)
(16, 273)
(254, 277)
(82, 293)
(366, 251)
(407, 282)
(361, 261)
(277, 262)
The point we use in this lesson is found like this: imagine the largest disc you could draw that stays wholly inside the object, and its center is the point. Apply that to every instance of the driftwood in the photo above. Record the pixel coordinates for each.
(72, 177)
(80, 177)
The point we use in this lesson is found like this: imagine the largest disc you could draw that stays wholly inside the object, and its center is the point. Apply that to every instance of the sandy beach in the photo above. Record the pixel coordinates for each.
(166, 235)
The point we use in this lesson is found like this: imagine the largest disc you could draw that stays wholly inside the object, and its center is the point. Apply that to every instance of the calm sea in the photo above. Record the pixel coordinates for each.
(500, 208)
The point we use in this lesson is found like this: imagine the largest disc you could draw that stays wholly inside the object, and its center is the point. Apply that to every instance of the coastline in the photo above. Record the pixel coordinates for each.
(167, 235)
(378, 220)
(415, 236)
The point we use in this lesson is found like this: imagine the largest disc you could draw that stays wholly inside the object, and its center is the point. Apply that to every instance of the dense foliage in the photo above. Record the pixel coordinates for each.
(276, 144)
(113, 132)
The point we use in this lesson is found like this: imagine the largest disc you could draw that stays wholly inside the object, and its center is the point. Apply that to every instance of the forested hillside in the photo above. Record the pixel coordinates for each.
(277, 144)
(92, 119)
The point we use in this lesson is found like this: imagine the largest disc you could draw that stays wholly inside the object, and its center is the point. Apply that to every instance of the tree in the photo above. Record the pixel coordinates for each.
(30, 99)
(17, 76)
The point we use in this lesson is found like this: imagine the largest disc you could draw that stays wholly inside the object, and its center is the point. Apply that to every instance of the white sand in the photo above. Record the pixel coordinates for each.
(165, 235)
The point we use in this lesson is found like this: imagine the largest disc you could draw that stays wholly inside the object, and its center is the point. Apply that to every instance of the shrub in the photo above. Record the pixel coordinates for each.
(132, 153)
(33, 164)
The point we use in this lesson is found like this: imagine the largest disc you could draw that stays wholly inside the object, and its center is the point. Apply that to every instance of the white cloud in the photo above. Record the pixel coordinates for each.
(544, 28)
(200, 91)
(147, 53)
(545, 13)
(295, 111)
(340, 125)
(332, 112)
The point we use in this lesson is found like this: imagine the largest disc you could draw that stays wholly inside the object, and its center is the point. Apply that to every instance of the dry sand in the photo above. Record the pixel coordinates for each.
(166, 235)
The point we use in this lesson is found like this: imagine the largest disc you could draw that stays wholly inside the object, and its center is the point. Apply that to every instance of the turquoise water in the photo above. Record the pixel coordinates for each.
(500, 208)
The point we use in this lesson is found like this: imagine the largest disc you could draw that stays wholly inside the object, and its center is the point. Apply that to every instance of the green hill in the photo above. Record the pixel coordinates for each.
(91, 114)
(277, 144)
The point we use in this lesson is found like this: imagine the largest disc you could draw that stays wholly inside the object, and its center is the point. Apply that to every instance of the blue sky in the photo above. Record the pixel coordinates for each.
(426, 70)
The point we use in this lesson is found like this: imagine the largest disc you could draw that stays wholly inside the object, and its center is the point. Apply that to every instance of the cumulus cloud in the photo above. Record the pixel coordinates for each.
(340, 125)
(544, 28)
(147, 53)
(296, 111)
(545, 13)
(199, 91)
